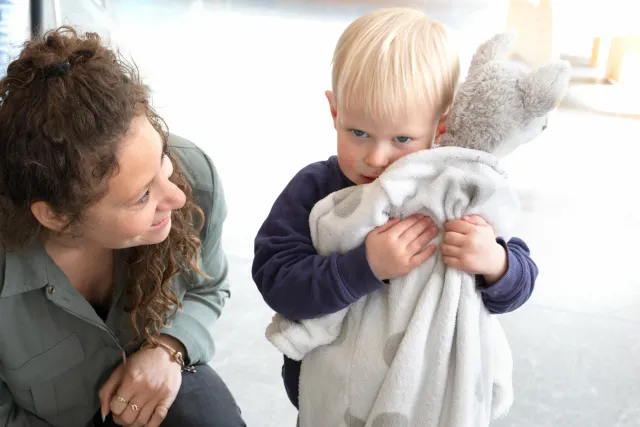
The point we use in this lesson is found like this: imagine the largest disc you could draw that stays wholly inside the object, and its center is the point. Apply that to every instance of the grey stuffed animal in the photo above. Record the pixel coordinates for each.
(502, 105)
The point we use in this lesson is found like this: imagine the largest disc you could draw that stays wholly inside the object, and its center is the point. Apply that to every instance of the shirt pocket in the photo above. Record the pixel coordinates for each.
(47, 384)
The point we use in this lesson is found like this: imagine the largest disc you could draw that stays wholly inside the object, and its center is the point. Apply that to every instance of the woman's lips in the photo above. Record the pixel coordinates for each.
(161, 223)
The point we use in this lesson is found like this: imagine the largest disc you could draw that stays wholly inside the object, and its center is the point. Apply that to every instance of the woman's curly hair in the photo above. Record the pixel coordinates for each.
(66, 103)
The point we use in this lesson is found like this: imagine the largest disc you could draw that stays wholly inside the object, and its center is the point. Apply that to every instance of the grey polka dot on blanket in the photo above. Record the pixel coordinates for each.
(495, 393)
(469, 189)
(391, 347)
(390, 419)
(346, 202)
(353, 421)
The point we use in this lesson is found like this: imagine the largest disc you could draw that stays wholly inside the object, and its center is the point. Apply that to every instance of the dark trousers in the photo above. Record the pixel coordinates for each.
(204, 400)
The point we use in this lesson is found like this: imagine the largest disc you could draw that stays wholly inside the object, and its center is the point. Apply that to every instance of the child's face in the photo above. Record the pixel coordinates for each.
(366, 148)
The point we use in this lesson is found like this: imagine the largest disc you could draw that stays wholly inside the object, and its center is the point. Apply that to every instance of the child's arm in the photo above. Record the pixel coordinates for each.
(294, 280)
(515, 287)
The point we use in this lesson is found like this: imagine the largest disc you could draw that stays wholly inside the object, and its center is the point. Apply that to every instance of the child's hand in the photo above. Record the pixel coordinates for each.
(397, 247)
(470, 245)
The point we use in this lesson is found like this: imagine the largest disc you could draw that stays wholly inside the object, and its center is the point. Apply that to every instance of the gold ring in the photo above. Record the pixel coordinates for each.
(122, 399)
(134, 407)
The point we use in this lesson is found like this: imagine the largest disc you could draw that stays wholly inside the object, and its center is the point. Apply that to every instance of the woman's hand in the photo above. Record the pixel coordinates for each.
(140, 392)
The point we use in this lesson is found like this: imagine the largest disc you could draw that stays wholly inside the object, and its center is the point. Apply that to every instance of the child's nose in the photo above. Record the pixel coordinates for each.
(378, 157)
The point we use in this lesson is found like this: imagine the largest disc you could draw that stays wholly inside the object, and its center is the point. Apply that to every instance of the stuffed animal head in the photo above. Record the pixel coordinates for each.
(502, 105)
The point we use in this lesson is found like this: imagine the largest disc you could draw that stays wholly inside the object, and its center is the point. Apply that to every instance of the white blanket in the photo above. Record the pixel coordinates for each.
(423, 351)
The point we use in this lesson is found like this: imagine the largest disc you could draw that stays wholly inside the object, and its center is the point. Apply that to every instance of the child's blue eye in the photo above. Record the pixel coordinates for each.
(402, 139)
(358, 133)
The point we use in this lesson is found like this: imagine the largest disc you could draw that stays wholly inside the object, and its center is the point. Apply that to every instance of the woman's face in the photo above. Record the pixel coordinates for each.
(136, 209)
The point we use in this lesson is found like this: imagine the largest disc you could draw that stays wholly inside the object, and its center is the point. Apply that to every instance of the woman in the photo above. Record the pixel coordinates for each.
(111, 267)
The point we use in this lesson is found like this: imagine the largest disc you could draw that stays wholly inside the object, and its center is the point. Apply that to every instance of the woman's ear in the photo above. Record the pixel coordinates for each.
(47, 217)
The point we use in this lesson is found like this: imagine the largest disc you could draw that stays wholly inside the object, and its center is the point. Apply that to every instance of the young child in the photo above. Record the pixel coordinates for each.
(394, 77)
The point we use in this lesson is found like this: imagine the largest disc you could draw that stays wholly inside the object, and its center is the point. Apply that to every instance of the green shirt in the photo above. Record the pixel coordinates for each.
(56, 352)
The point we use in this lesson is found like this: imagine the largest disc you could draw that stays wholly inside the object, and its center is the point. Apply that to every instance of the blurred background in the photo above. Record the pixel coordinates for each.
(245, 80)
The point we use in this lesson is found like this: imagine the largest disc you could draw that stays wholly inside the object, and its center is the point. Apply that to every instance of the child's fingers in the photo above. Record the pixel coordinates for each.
(421, 257)
(420, 228)
(454, 239)
(475, 219)
(452, 262)
(421, 241)
(403, 225)
(450, 250)
(459, 226)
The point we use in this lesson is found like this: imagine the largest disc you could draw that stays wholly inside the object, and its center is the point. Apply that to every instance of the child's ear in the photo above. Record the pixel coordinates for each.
(442, 124)
(441, 127)
(334, 111)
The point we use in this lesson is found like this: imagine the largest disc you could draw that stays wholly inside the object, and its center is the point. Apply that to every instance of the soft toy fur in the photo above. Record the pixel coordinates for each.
(424, 351)
(502, 105)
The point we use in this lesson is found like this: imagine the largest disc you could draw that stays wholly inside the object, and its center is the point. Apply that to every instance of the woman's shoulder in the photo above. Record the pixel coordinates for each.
(201, 173)
(197, 167)
(21, 270)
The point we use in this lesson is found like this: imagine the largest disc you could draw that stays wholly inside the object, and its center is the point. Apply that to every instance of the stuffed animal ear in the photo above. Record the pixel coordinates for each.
(497, 47)
(544, 88)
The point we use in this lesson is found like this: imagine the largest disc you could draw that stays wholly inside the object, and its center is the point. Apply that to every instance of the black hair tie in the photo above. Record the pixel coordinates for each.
(57, 69)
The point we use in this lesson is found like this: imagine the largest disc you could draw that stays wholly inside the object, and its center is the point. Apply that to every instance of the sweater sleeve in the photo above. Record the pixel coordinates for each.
(294, 280)
(517, 284)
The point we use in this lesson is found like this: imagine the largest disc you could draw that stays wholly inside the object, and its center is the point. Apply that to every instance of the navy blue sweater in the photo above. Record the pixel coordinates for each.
(300, 284)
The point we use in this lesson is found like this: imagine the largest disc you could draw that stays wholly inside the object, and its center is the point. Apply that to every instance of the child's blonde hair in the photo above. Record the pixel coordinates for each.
(392, 61)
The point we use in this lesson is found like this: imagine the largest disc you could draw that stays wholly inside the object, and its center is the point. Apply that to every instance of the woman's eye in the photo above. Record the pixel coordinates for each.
(358, 133)
(144, 198)
(402, 139)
